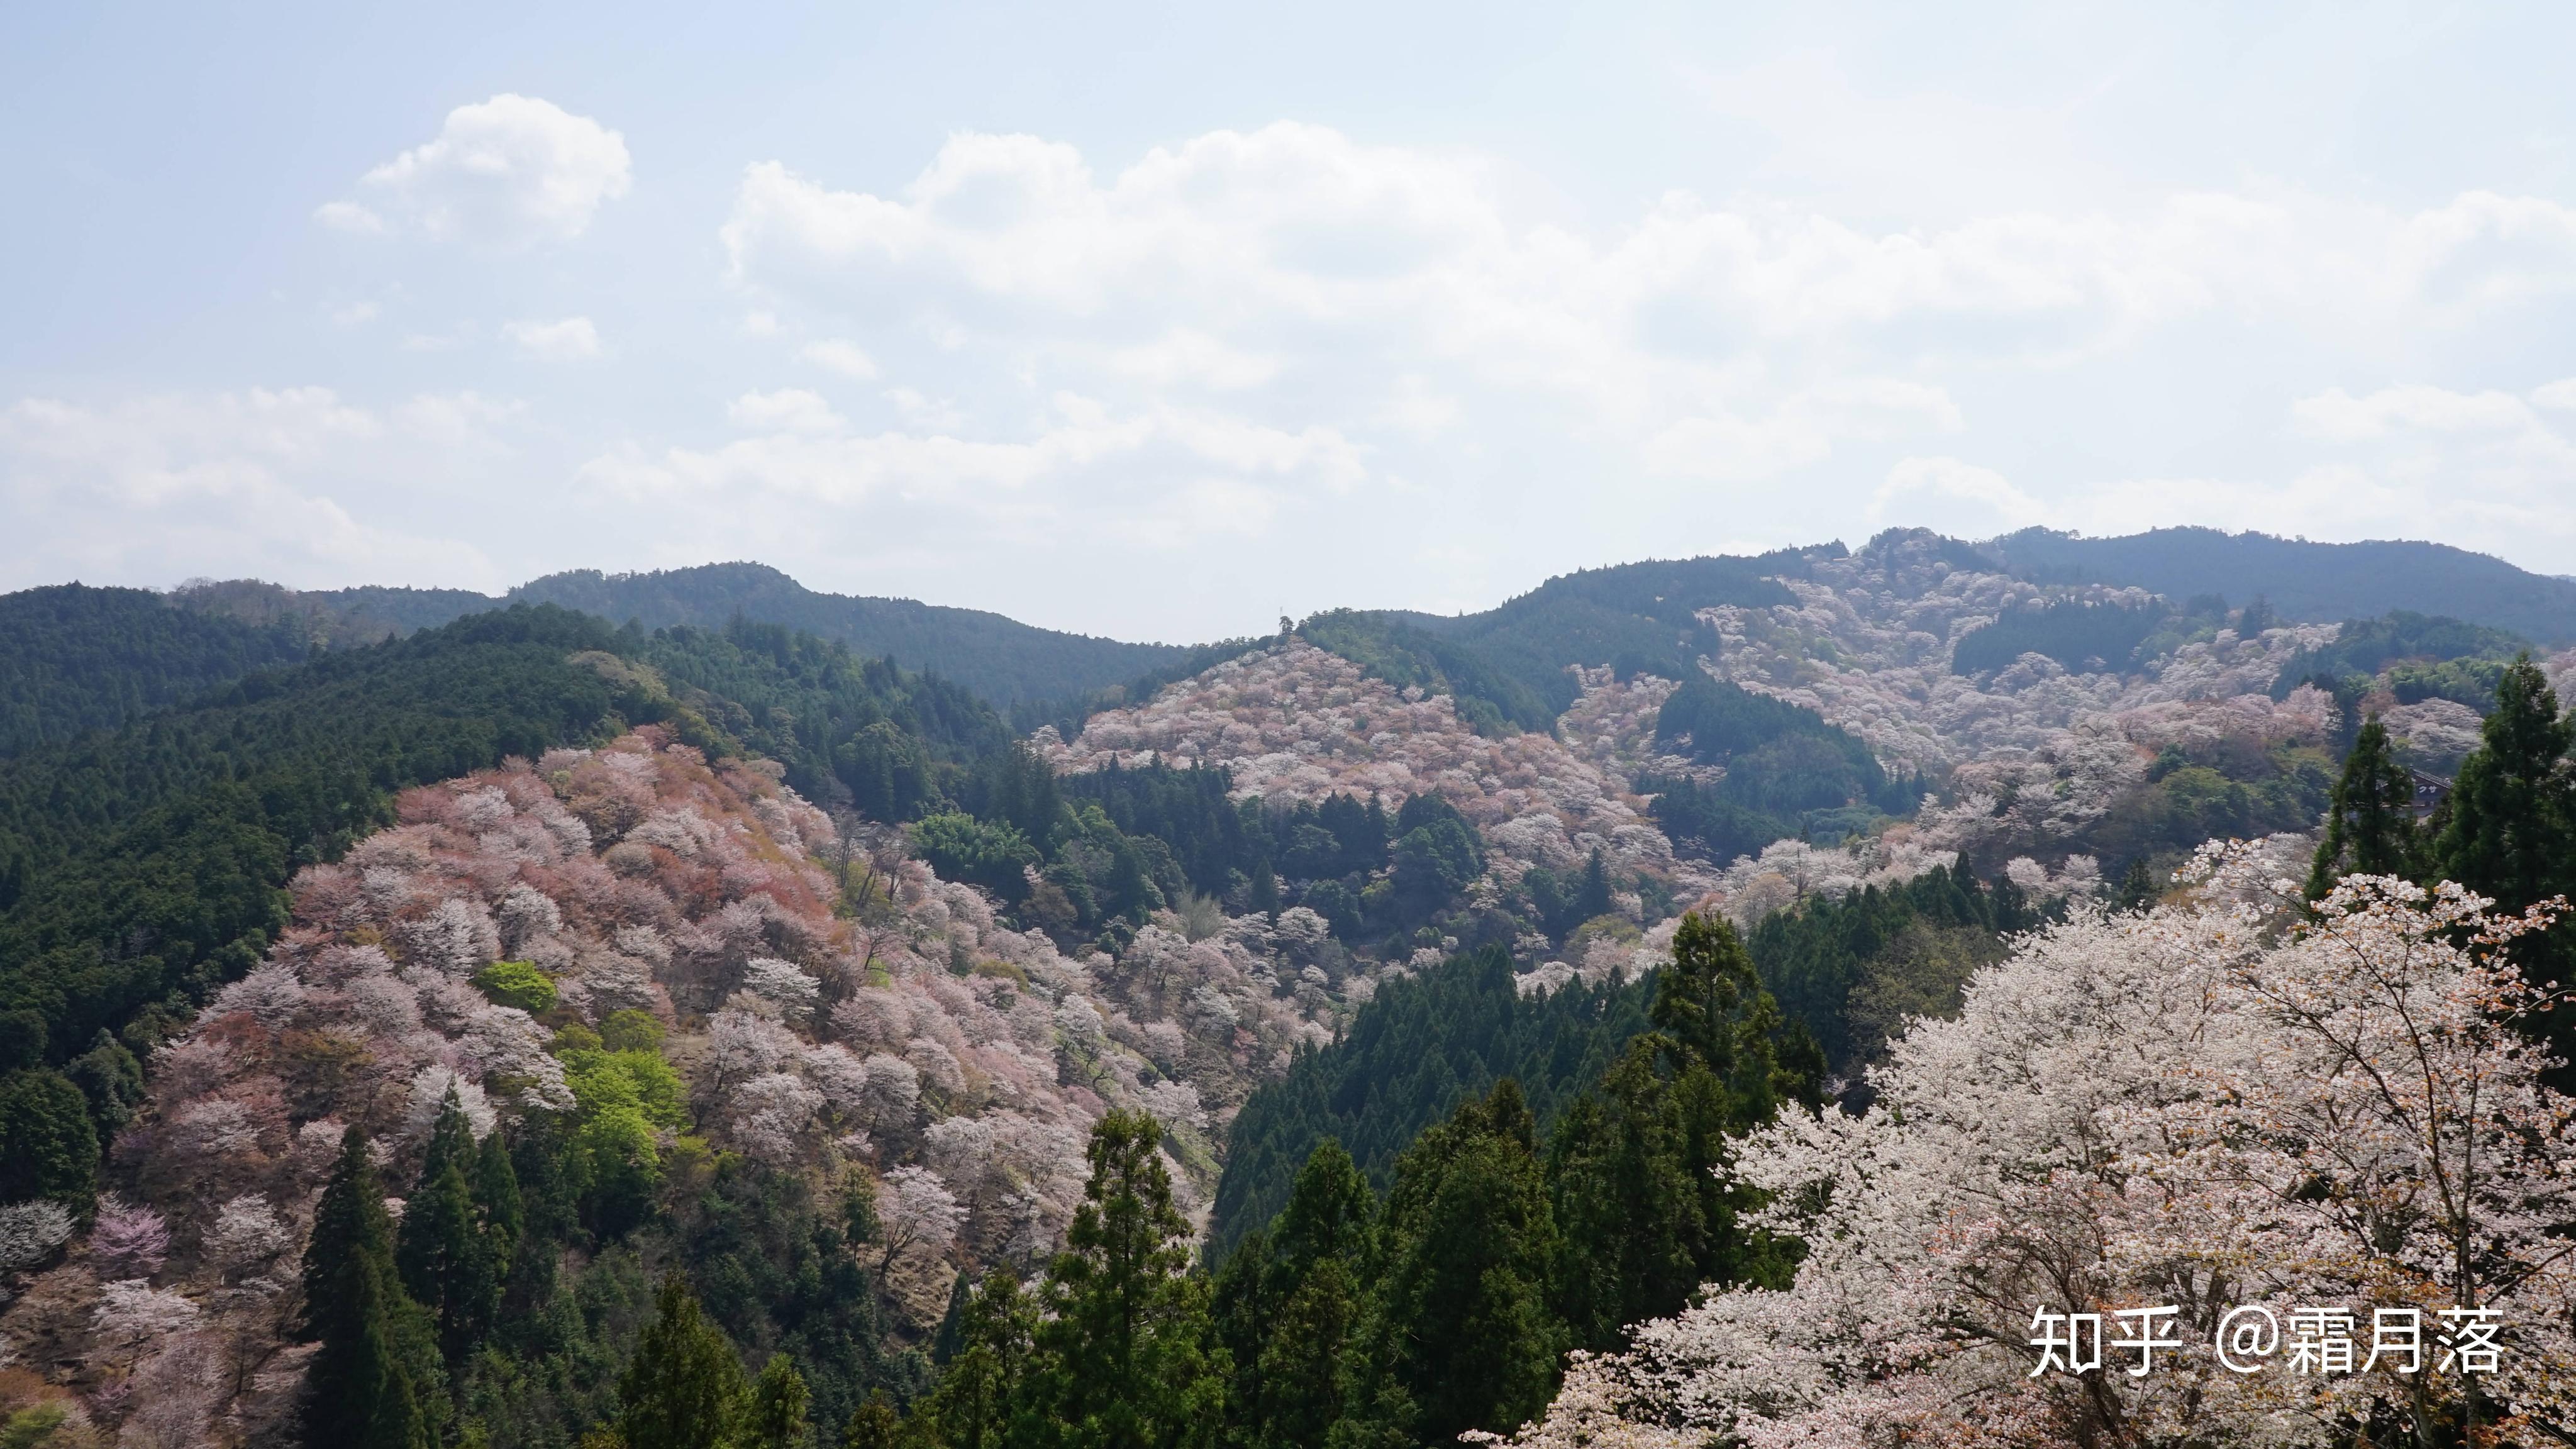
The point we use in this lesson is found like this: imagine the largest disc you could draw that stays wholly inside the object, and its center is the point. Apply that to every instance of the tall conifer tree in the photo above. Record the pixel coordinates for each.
(2509, 832)
(445, 1255)
(972, 1406)
(2370, 824)
(362, 1392)
(777, 1417)
(1461, 1336)
(1123, 1361)
(1594, 899)
(683, 1388)
(497, 1203)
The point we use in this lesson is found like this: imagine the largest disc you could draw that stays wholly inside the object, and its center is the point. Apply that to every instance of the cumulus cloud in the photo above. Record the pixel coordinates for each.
(2486, 470)
(788, 410)
(573, 339)
(248, 482)
(505, 172)
(1957, 498)
(1279, 331)
(841, 356)
(1295, 274)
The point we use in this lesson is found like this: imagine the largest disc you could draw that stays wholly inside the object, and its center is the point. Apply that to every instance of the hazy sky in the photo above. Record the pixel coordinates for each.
(1158, 321)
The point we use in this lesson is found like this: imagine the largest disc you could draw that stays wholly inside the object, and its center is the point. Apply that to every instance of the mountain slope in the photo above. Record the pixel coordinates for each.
(2314, 582)
(75, 659)
(1640, 617)
(1005, 661)
(1410, 1057)
(141, 868)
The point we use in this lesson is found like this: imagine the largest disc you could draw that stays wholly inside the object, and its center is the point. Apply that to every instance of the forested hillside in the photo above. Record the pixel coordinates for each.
(76, 659)
(554, 1028)
(1412, 1054)
(142, 868)
(2317, 582)
(1003, 660)
(1632, 618)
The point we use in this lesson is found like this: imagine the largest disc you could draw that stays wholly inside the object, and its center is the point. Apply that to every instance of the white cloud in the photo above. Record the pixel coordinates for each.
(1957, 498)
(1293, 275)
(788, 410)
(354, 314)
(573, 339)
(504, 172)
(249, 482)
(2336, 416)
(1523, 392)
(1154, 482)
(842, 357)
(1414, 376)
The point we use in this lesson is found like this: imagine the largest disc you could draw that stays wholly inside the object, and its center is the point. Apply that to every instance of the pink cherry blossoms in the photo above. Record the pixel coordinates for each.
(2216, 1105)
(920, 1041)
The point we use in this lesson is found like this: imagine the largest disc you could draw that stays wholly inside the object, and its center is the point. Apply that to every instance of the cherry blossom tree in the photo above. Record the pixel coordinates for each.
(2223, 1105)
(915, 1214)
(132, 1314)
(128, 1241)
(31, 1231)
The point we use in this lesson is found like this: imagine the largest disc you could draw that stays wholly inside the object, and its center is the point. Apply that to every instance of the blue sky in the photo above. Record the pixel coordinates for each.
(1161, 320)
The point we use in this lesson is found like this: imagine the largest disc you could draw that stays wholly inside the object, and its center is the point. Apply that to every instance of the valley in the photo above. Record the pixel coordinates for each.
(1393, 1001)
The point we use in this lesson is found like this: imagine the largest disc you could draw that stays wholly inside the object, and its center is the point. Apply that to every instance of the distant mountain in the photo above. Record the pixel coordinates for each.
(1003, 660)
(2319, 582)
(1639, 617)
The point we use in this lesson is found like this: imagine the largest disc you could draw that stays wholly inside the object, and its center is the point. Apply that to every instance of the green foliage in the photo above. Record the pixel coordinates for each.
(519, 984)
(143, 867)
(111, 1077)
(1000, 659)
(2508, 829)
(1216, 843)
(75, 659)
(1788, 773)
(777, 1419)
(1491, 701)
(960, 847)
(777, 1266)
(48, 1144)
(2471, 682)
(1289, 1300)
(630, 1030)
(2236, 787)
(1409, 1057)
(1436, 854)
(977, 1396)
(683, 1389)
(375, 1379)
(875, 1426)
(1636, 618)
(2425, 656)
(2083, 637)
(623, 1099)
(1849, 971)
(1446, 1309)
(2370, 822)
(1461, 1335)
(1121, 1356)
(889, 741)
(1710, 823)
(2307, 580)
(447, 1253)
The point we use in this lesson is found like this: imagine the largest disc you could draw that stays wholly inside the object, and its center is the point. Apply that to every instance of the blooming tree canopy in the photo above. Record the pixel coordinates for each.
(2226, 1103)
